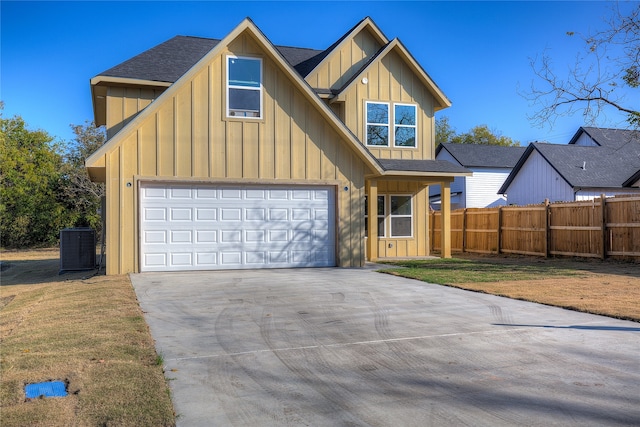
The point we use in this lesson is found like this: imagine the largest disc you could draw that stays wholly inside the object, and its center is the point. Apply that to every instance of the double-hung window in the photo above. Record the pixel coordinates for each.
(244, 87)
(404, 119)
(398, 219)
(381, 116)
(401, 216)
(377, 123)
(380, 213)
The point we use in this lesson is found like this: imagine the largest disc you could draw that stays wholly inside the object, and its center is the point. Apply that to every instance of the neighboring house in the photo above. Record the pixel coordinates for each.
(490, 164)
(595, 162)
(236, 153)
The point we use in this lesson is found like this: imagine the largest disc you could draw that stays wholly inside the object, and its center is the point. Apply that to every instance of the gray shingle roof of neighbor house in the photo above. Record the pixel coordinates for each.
(610, 165)
(606, 137)
(487, 156)
(436, 166)
(169, 60)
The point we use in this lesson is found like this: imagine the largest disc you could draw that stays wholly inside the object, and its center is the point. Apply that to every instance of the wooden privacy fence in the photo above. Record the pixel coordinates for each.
(601, 228)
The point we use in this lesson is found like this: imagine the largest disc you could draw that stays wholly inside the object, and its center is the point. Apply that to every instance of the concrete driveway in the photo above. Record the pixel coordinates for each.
(352, 347)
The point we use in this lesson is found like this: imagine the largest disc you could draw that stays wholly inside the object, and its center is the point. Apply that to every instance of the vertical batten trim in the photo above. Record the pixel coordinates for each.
(157, 137)
(210, 118)
(175, 135)
(193, 128)
(120, 209)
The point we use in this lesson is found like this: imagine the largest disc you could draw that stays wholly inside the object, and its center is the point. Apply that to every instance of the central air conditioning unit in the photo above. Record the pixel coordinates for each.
(77, 249)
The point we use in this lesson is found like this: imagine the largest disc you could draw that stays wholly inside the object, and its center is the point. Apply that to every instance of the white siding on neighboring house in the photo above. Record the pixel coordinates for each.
(482, 188)
(594, 193)
(537, 181)
(457, 186)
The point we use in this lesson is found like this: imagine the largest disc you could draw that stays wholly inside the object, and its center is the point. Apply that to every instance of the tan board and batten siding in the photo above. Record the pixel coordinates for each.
(188, 138)
(389, 79)
(349, 57)
(124, 103)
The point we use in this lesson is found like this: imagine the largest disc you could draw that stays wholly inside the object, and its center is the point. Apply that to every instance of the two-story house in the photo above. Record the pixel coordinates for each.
(237, 153)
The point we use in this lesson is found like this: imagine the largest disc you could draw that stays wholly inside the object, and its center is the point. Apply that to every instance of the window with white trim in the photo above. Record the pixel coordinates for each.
(377, 123)
(381, 216)
(379, 119)
(401, 216)
(244, 87)
(404, 131)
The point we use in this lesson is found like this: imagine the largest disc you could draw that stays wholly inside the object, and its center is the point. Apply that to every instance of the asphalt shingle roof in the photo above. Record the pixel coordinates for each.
(612, 164)
(488, 156)
(602, 166)
(168, 61)
(612, 138)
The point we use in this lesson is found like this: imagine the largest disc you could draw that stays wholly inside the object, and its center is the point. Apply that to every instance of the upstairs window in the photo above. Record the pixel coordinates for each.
(244, 87)
(404, 119)
(377, 124)
(381, 116)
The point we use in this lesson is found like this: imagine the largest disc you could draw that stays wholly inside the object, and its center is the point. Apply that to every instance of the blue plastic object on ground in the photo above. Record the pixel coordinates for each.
(46, 389)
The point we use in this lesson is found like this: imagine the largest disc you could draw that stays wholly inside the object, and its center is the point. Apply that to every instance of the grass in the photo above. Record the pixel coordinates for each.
(89, 333)
(454, 271)
(610, 289)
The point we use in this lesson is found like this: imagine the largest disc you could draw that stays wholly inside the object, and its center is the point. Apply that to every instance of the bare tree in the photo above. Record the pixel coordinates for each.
(607, 70)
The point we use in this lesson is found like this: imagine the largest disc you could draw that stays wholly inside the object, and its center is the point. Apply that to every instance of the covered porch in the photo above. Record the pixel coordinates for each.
(397, 208)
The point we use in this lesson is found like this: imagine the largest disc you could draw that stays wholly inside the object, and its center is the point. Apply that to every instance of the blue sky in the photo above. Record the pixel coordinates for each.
(477, 52)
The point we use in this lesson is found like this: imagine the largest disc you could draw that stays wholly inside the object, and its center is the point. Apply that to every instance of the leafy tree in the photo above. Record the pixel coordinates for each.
(480, 134)
(444, 131)
(30, 164)
(608, 67)
(81, 196)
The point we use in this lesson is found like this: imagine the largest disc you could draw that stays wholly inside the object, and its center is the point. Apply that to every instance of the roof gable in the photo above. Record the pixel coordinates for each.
(441, 101)
(366, 24)
(96, 160)
(487, 156)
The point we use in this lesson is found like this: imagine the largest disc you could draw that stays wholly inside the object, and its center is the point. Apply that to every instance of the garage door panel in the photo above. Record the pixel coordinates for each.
(190, 226)
(206, 214)
(155, 214)
(206, 259)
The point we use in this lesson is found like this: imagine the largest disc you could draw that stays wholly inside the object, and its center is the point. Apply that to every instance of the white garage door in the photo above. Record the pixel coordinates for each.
(211, 227)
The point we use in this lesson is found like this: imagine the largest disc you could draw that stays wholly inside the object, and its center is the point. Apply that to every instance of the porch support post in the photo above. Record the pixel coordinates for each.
(445, 208)
(372, 219)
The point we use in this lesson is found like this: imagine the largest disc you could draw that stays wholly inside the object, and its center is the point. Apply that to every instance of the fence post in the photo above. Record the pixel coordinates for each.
(604, 225)
(499, 248)
(464, 228)
(547, 233)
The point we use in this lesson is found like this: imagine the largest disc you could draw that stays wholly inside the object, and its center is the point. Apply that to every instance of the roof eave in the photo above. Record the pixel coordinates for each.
(99, 86)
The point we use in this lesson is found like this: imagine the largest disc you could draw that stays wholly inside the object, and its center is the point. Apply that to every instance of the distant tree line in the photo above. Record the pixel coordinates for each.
(480, 134)
(44, 186)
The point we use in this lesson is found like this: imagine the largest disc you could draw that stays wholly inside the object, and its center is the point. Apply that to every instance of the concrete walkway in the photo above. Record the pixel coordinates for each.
(338, 347)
